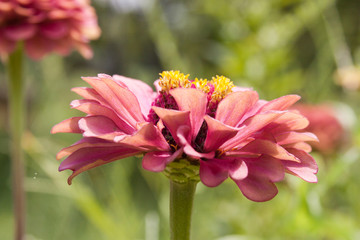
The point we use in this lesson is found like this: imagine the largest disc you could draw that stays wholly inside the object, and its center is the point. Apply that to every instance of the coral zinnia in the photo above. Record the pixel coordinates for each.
(190, 130)
(47, 26)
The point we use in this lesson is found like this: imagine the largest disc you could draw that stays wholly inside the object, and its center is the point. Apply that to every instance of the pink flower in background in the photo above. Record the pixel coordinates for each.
(47, 26)
(324, 124)
(219, 129)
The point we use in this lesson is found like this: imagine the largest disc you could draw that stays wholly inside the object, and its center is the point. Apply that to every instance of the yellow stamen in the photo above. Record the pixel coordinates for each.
(173, 79)
(222, 87)
(202, 84)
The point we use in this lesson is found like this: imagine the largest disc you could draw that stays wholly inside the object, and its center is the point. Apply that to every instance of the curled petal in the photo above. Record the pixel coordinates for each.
(148, 137)
(238, 170)
(188, 149)
(257, 188)
(217, 134)
(156, 161)
(70, 125)
(306, 169)
(259, 185)
(86, 158)
(194, 101)
(212, 175)
(174, 119)
(84, 143)
(267, 167)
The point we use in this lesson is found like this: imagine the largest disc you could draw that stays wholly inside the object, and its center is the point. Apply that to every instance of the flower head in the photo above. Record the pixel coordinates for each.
(191, 130)
(47, 26)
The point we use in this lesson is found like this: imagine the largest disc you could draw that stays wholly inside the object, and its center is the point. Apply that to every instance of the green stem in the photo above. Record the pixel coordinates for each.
(16, 121)
(181, 202)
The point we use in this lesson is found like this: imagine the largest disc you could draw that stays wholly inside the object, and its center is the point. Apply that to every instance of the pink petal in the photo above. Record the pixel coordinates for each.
(293, 137)
(289, 121)
(87, 158)
(212, 175)
(281, 103)
(267, 167)
(173, 119)
(269, 148)
(250, 126)
(148, 137)
(238, 170)
(37, 47)
(127, 98)
(20, 32)
(62, 46)
(141, 90)
(121, 100)
(84, 49)
(99, 126)
(188, 149)
(193, 100)
(54, 29)
(217, 134)
(257, 188)
(6, 46)
(94, 108)
(258, 185)
(156, 161)
(70, 125)
(306, 169)
(233, 107)
(84, 143)
(300, 146)
(90, 94)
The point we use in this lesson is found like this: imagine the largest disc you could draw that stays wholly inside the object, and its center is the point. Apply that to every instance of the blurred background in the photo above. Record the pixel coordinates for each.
(278, 47)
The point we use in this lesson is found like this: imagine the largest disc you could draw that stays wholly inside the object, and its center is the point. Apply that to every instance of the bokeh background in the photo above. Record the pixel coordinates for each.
(278, 47)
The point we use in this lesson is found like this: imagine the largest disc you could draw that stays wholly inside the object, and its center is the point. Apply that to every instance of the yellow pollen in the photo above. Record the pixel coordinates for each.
(173, 79)
(219, 86)
(222, 87)
(201, 84)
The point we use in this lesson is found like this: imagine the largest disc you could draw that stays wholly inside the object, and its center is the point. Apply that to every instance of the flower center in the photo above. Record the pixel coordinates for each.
(216, 89)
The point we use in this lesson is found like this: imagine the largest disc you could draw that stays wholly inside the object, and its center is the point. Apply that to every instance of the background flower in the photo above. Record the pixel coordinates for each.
(325, 124)
(47, 26)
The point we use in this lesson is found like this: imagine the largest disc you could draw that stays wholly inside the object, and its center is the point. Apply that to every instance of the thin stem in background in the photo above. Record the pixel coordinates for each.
(16, 122)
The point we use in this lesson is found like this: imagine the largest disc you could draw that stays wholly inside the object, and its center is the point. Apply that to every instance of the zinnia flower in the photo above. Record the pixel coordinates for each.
(47, 26)
(190, 130)
(324, 124)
